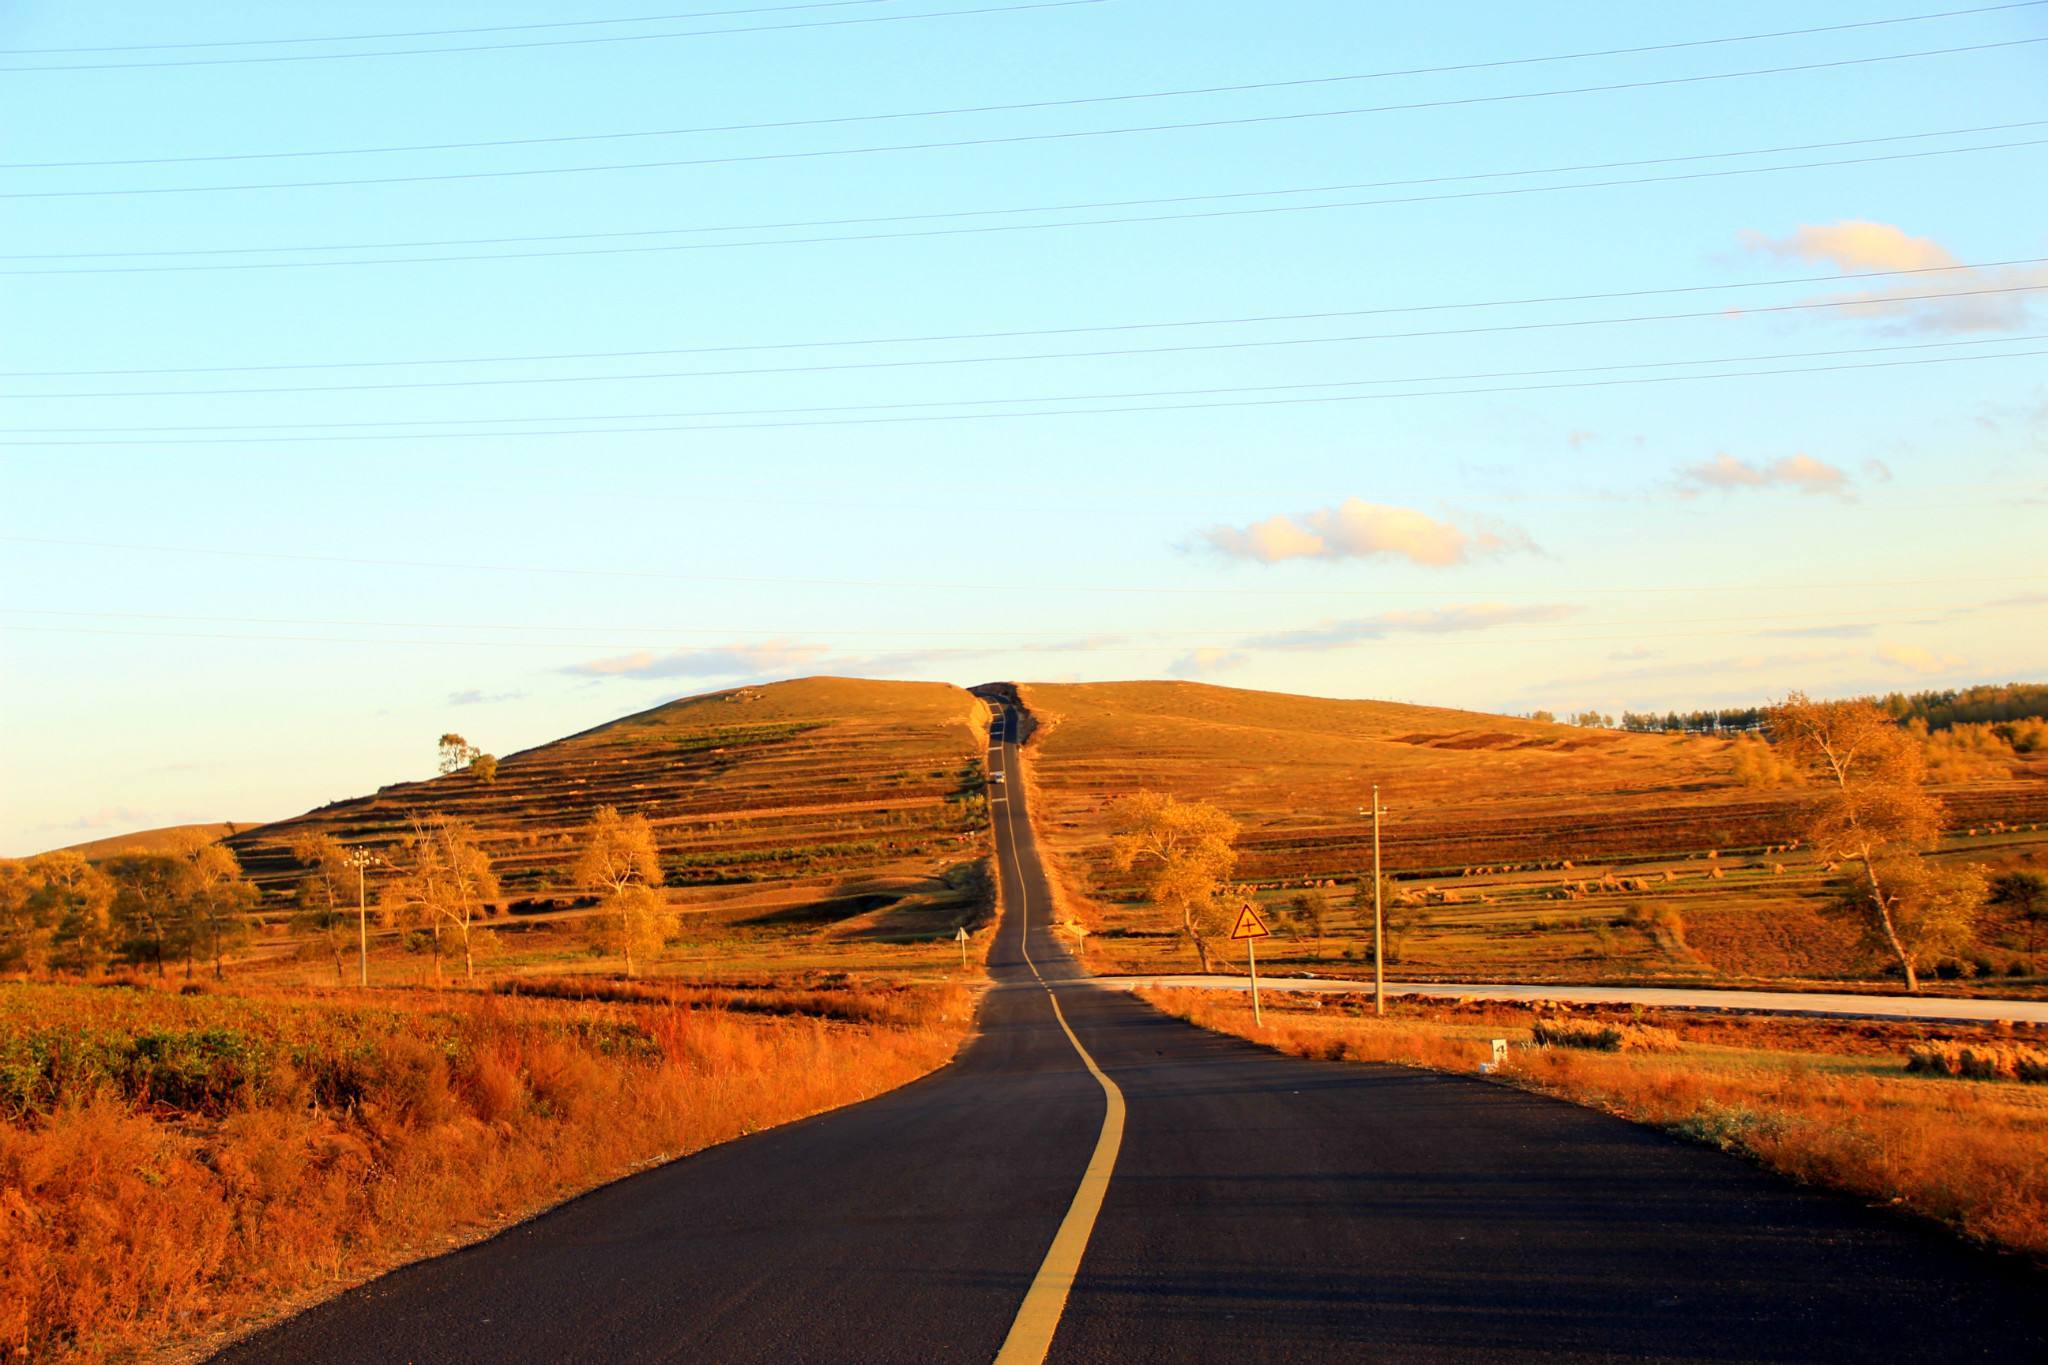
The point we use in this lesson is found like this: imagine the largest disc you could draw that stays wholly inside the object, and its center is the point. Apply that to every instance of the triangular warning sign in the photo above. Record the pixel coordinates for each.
(1249, 925)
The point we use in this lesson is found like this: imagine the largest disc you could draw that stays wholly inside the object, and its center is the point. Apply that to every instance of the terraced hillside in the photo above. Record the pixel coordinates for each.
(817, 804)
(1524, 849)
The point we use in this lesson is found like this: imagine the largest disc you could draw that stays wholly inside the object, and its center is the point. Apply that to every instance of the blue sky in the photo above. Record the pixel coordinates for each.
(222, 602)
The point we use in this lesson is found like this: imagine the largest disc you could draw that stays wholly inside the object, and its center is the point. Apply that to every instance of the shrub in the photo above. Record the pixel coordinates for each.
(1604, 1037)
(1979, 1061)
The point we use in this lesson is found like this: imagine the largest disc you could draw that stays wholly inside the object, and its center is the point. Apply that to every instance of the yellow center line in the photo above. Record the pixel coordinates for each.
(1038, 1317)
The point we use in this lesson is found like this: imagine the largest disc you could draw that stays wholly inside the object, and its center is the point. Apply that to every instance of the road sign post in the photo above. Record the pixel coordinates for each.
(961, 935)
(1251, 929)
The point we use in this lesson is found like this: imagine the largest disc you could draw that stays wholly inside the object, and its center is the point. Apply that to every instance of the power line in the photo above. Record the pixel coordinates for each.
(1179, 349)
(1019, 138)
(561, 42)
(358, 561)
(1914, 616)
(1393, 635)
(985, 402)
(1020, 227)
(959, 111)
(1014, 334)
(494, 28)
(1033, 413)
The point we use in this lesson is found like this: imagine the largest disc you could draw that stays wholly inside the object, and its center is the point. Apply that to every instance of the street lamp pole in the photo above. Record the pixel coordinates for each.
(360, 860)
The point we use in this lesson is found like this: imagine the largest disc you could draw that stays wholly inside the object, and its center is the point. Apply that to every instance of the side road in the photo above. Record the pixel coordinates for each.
(1929, 1009)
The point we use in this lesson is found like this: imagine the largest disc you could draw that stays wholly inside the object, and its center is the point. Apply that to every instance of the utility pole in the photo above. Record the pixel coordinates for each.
(1379, 919)
(360, 859)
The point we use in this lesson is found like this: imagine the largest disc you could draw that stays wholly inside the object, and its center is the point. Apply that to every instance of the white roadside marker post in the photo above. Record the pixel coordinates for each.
(961, 935)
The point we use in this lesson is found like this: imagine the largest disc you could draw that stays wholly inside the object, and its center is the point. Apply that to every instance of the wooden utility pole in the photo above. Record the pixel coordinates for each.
(1379, 919)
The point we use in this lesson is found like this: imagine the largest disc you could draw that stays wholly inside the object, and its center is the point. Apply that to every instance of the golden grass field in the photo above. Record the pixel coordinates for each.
(1828, 1103)
(1530, 851)
(172, 1163)
(824, 823)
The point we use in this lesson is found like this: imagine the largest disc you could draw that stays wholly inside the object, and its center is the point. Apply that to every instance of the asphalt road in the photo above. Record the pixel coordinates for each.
(1251, 1207)
(1946, 1009)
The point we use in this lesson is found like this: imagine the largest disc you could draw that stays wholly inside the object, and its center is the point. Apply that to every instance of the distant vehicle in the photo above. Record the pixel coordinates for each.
(995, 777)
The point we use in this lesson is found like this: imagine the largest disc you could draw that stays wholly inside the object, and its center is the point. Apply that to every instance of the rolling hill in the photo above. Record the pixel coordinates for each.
(821, 805)
(1528, 849)
(164, 839)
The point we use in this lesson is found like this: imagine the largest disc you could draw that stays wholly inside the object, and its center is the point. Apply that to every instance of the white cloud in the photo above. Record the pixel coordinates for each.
(1860, 246)
(1436, 621)
(714, 662)
(476, 696)
(1802, 473)
(111, 817)
(1852, 246)
(1841, 632)
(1918, 659)
(1201, 662)
(1357, 529)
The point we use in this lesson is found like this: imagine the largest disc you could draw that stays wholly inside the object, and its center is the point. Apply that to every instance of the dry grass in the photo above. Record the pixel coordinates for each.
(1980, 1061)
(1523, 850)
(838, 813)
(170, 1163)
(1967, 1153)
(1602, 1036)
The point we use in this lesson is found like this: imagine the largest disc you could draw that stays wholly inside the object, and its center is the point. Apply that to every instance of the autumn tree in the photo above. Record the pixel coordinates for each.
(1876, 817)
(1399, 913)
(17, 921)
(71, 897)
(219, 906)
(455, 753)
(2026, 895)
(484, 767)
(1309, 911)
(150, 916)
(621, 858)
(1183, 851)
(320, 900)
(447, 883)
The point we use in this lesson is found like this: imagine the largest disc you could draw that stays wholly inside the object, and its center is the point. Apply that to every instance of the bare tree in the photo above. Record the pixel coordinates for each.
(1184, 852)
(322, 894)
(622, 858)
(447, 884)
(1876, 816)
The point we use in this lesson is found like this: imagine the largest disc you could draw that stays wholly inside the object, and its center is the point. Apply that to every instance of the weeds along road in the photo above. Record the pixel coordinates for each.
(1175, 1195)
